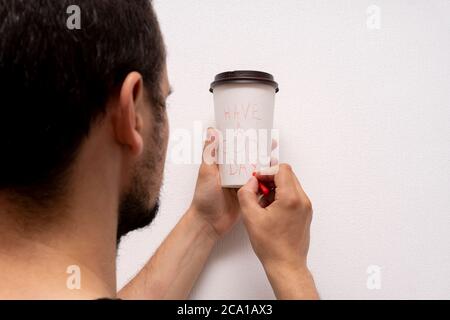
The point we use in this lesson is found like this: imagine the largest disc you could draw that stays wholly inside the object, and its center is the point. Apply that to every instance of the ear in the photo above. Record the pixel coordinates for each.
(128, 121)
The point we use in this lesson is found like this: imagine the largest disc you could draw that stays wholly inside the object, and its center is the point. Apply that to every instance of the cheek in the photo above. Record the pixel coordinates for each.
(166, 130)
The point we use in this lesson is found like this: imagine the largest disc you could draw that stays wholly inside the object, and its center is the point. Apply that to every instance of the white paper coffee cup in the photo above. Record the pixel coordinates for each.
(244, 107)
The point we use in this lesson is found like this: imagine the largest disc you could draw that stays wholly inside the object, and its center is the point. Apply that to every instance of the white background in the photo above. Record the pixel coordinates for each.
(364, 119)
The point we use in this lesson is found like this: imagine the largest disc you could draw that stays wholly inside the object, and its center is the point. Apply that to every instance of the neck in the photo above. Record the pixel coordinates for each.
(70, 257)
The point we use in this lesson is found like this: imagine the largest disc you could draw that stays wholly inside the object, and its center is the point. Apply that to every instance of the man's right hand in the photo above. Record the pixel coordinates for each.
(279, 232)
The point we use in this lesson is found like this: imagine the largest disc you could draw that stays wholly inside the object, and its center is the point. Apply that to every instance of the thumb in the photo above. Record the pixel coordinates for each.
(248, 197)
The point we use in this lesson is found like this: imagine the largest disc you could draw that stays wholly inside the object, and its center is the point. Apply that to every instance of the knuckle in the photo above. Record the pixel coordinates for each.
(241, 192)
(293, 202)
(206, 172)
(307, 205)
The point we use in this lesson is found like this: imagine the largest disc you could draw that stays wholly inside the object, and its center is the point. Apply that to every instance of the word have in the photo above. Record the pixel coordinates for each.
(242, 112)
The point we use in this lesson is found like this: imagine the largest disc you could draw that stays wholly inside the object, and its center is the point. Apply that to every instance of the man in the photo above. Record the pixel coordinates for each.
(84, 134)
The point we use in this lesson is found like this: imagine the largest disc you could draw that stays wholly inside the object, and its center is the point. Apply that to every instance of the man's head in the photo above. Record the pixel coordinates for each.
(59, 87)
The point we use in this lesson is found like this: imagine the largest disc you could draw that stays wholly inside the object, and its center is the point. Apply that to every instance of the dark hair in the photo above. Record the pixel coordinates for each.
(55, 82)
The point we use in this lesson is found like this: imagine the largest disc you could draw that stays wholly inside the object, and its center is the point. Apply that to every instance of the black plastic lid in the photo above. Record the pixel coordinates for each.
(244, 76)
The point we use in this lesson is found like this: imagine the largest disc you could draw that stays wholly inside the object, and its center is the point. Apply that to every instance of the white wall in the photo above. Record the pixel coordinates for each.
(364, 119)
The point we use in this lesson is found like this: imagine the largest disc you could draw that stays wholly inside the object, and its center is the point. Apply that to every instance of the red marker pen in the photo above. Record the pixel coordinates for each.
(265, 191)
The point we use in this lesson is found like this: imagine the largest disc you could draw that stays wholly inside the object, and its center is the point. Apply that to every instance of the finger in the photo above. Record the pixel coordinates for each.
(263, 202)
(266, 175)
(264, 178)
(271, 171)
(248, 198)
(210, 147)
(281, 175)
(285, 181)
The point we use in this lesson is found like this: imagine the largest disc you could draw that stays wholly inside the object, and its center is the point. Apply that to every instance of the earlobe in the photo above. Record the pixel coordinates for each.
(128, 122)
